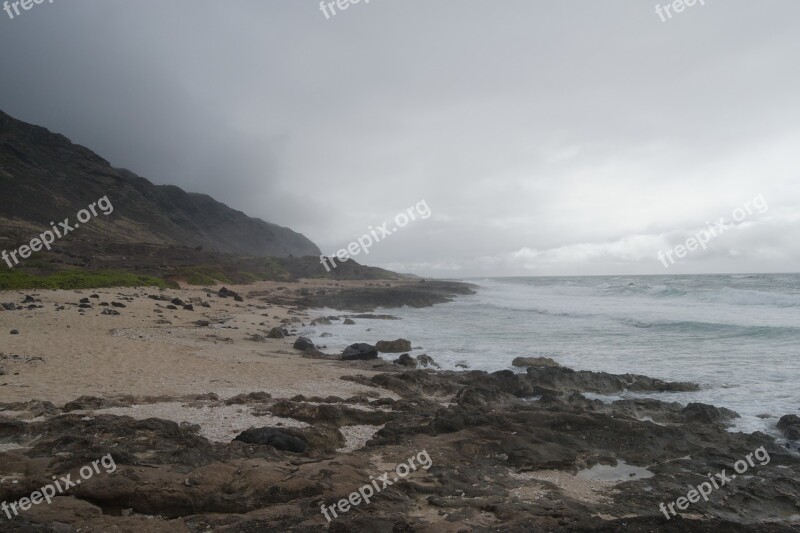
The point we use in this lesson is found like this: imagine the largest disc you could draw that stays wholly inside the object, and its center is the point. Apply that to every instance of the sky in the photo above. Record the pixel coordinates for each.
(576, 137)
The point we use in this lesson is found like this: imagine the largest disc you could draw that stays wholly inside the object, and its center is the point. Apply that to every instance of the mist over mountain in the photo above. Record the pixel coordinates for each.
(45, 177)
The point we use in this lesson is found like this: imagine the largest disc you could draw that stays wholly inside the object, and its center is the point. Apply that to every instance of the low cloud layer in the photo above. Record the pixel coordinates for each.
(547, 138)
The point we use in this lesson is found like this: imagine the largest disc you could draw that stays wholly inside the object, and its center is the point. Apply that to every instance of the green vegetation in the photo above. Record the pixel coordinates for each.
(76, 279)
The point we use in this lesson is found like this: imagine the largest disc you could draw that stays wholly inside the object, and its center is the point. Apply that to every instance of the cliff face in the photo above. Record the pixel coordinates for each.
(44, 177)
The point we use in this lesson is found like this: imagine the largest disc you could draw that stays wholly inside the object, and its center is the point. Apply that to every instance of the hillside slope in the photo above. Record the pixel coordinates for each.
(44, 177)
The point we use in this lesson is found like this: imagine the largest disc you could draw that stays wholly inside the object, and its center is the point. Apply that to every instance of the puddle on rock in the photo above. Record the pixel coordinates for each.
(621, 472)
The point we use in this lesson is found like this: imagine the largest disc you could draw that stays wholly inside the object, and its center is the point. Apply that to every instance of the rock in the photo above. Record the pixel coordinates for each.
(256, 338)
(790, 425)
(700, 413)
(462, 364)
(359, 352)
(95, 296)
(533, 361)
(272, 437)
(426, 361)
(85, 306)
(276, 333)
(28, 299)
(406, 360)
(569, 380)
(303, 344)
(177, 301)
(14, 332)
(84, 300)
(10, 306)
(172, 307)
(397, 346)
(348, 322)
(227, 293)
(202, 323)
(188, 307)
(110, 312)
(326, 334)
(118, 304)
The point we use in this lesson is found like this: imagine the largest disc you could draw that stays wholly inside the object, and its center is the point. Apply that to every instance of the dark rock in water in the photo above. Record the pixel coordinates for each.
(84, 300)
(700, 413)
(326, 334)
(202, 323)
(303, 344)
(224, 292)
(359, 352)
(28, 299)
(104, 304)
(349, 322)
(110, 312)
(118, 304)
(533, 361)
(426, 361)
(406, 360)
(10, 306)
(256, 338)
(272, 437)
(172, 307)
(85, 306)
(567, 379)
(276, 333)
(188, 307)
(462, 364)
(790, 425)
(95, 296)
(397, 346)
(177, 301)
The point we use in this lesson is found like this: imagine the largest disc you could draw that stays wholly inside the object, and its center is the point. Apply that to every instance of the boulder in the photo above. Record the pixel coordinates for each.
(359, 352)
(276, 333)
(272, 437)
(349, 322)
(790, 425)
(303, 344)
(396, 346)
(406, 360)
(426, 361)
(533, 361)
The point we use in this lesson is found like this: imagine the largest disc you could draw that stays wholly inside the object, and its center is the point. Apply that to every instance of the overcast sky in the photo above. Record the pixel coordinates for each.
(561, 137)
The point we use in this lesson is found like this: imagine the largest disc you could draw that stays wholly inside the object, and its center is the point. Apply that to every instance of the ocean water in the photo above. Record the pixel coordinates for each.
(736, 335)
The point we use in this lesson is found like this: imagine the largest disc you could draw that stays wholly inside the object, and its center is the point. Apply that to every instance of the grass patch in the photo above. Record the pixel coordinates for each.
(17, 280)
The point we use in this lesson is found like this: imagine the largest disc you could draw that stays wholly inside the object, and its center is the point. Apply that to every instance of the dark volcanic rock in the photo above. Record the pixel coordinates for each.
(700, 413)
(790, 425)
(224, 292)
(533, 361)
(396, 346)
(276, 333)
(359, 352)
(406, 360)
(303, 344)
(9, 306)
(566, 379)
(273, 437)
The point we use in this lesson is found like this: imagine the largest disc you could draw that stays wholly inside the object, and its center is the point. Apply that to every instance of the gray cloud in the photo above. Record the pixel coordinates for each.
(547, 137)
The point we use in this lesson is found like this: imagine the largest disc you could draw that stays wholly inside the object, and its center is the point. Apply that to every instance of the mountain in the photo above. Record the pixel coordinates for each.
(45, 178)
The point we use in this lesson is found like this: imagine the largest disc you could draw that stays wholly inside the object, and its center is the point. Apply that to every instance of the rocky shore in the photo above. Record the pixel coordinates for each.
(266, 431)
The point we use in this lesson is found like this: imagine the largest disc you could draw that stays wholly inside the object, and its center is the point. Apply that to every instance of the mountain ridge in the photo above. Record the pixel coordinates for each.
(34, 159)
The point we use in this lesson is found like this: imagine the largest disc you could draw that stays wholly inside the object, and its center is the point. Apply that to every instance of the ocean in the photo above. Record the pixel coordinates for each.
(736, 335)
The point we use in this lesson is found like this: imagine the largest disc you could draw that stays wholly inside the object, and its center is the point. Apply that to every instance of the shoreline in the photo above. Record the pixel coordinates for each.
(516, 451)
